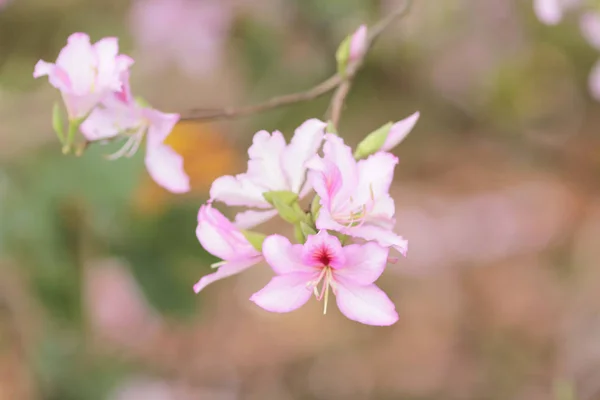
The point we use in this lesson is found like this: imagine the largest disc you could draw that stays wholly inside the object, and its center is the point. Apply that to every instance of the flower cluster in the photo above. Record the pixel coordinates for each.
(93, 80)
(344, 239)
(551, 12)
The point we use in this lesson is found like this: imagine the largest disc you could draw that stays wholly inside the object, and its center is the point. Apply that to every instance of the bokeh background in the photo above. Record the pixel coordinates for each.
(497, 192)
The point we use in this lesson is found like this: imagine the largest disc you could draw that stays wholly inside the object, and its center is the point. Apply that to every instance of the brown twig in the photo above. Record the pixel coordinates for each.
(342, 84)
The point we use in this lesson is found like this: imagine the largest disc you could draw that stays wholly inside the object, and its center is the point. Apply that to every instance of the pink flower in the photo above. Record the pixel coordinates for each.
(399, 131)
(191, 33)
(85, 73)
(551, 12)
(354, 195)
(222, 239)
(358, 44)
(119, 114)
(590, 28)
(349, 271)
(273, 165)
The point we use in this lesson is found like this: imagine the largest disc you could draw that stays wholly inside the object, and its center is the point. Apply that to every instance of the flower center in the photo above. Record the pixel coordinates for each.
(322, 256)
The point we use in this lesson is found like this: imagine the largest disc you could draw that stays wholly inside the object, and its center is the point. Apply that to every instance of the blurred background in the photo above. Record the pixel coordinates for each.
(497, 192)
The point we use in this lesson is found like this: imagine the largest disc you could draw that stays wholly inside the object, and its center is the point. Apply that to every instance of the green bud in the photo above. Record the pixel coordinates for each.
(140, 101)
(373, 142)
(256, 239)
(342, 55)
(58, 123)
(281, 196)
(299, 235)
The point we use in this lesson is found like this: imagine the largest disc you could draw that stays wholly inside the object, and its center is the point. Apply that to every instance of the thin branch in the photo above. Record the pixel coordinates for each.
(275, 102)
(342, 84)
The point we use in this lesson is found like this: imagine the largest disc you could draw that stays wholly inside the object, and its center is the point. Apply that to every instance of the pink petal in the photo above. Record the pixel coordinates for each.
(385, 237)
(238, 190)
(228, 269)
(326, 179)
(160, 126)
(165, 166)
(265, 164)
(365, 304)
(79, 61)
(590, 28)
(105, 123)
(364, 263)
(304, 145)
(375, 177)
(106, 51)
(284, 293)
(251, 218)
(358, 43)
(340, 155)
(56, 76)
(284, 257)
(399, 131)
(594, 81)
(323, 246)
(220, 237)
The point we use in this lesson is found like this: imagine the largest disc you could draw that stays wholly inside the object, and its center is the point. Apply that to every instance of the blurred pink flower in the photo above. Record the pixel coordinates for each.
(590, 28)
(350, 272)
(116, 307)
(273, 165)
(221, 238)
(399, 131)
(192, 33)
(358, 44)
(120, 114)
(85, 73)
(551, 12)
(354, 195)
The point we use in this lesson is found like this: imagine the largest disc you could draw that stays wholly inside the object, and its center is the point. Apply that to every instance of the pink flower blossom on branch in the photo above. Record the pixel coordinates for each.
(551, 12)
(120, 114)
(350, 273)
(273, 166)
(85, 73)
(190, 33)
(354, 195)
(222, 239)
(399, 131)
(358, 44)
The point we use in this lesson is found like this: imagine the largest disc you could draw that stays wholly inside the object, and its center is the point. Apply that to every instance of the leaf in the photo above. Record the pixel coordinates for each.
(307, 229)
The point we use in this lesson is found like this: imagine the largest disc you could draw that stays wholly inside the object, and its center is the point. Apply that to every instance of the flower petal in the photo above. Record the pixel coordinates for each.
(341, 156)
(383, 236)
(375, 177)
(284, 293)
(365, 304)
(228, 269)
(265, 164)
(79, 61)
(220, 237)
(251, 218)
(364, 263)
(399, 131)
(238, 191)
(304, 145)
(104, 123)
(284, 257)
(165, 166)
(358, 43)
